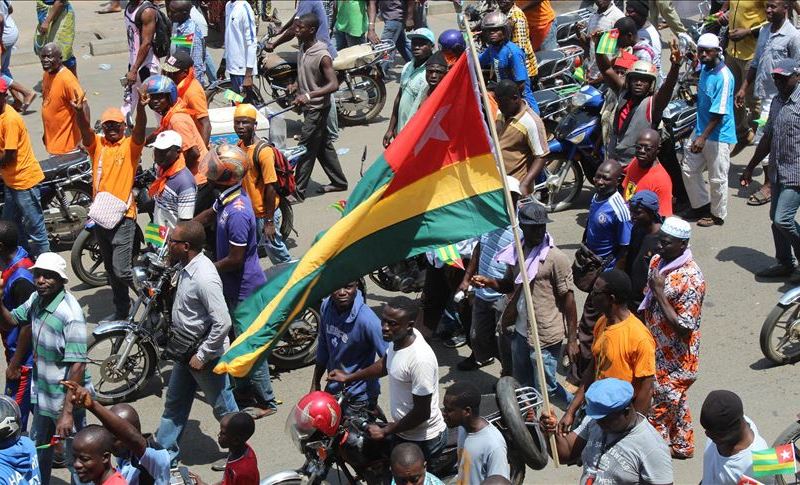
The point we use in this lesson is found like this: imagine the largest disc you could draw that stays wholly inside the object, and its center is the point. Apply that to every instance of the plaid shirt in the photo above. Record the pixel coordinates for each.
(189, 27)
(521, 37)
(59, 340)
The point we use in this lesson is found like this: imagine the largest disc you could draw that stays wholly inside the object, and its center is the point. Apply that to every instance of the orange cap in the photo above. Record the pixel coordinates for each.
(245, 110)
(112, 114)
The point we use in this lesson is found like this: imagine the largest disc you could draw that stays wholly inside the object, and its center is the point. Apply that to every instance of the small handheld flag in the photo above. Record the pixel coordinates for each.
(182, 40)
(155, 234)
(774, 461)
(233, 96)
(450, 256)
(339, 206)
(608, 43)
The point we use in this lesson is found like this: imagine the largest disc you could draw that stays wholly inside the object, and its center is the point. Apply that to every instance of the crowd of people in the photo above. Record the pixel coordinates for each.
(632, 349)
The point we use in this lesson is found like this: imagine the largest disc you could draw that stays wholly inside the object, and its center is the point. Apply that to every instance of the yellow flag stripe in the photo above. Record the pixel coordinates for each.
(773, 467)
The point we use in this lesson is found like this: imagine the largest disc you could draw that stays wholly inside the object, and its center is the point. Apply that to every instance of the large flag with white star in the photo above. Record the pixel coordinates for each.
(436, 184)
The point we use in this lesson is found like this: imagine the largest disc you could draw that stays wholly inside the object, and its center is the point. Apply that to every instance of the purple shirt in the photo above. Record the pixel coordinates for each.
(236, 226)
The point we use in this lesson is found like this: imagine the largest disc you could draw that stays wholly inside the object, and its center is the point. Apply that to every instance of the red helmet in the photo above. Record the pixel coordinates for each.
(317, 411)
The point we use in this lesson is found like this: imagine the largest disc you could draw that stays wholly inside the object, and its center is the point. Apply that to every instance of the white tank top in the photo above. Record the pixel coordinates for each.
(134, 39)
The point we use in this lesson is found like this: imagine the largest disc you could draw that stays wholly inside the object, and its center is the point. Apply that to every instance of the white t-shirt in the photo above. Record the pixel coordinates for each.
(601, 22)
(650, 34)
(10, 32)
(724, 470)
(240, 38)
(412, 371)
(481, 455)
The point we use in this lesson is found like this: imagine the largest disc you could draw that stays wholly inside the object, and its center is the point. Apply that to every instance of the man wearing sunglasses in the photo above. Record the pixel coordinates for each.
(645, 172)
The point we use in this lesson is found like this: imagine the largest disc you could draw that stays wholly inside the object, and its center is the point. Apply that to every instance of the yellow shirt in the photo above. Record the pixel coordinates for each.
(120, 161)
(257, 178)
(747, 14)
(625, 350)
(26, 172)
(61, 132)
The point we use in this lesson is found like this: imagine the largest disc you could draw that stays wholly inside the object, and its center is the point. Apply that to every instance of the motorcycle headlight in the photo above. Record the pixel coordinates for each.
(139, 275)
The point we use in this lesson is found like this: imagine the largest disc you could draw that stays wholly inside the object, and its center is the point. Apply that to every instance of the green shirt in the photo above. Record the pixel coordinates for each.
(351, 17)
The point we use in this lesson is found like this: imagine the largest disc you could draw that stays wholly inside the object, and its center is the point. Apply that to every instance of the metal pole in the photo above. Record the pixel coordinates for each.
(512, 214)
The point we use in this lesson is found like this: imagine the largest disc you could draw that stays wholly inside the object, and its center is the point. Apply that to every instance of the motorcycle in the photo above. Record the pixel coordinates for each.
(780, 333)
(362, 90)
(569, 24)
(362, 460)
(790, 435)
(65, 195)
(407, 276)
(556, 67)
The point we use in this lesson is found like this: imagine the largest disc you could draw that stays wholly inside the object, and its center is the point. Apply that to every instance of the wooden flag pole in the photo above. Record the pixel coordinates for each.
(512, 214)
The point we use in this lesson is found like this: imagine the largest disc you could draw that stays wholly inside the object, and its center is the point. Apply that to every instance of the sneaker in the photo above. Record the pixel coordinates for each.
(455, 341)
(776, 271)
(470, 364)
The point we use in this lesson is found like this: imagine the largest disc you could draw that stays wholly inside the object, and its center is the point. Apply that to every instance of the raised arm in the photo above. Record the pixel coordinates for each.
(664, 93)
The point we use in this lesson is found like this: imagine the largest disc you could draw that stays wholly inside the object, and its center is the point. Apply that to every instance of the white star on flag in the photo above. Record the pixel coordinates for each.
(785, 455)
(434, 130)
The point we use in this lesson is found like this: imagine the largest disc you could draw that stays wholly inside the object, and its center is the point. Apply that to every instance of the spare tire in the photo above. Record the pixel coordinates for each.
(530, 444)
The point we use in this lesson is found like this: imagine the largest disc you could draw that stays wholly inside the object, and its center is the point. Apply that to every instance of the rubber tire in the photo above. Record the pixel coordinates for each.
(569, 201)
(302, 359)
(373, 112)
(152, 362)
(81, 187)
(531, 446)
(85, 238)
(767, 328)
(788, 435)
(517, 468)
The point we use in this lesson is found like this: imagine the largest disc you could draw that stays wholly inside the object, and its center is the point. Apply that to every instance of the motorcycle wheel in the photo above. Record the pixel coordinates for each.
(298, 346)
(788, 435)
(517, 465)
(287, 219)
(366, 101)
(112, 387)
(562, 195)
(780, 334)
(76, 193)
(86, 260)
(530, 443)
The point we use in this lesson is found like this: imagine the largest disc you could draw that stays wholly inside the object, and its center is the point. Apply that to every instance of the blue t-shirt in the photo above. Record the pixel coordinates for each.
(18, 464)
(18, 287)
(351, 341)
(156, 462)
(491, 244)
(324, 31)
(508, 62)
(236, 226)
(715, 95)
(608, 226)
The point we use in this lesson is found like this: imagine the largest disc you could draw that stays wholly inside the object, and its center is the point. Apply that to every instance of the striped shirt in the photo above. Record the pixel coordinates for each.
(491, 244)
(176, 201)
(522, 139)
(783, 126)
(197, 50)
(608, 226)
(772, 48)
(59, 340)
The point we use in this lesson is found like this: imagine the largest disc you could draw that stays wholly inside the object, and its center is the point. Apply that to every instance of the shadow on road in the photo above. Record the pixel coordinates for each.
(198, 448)
(749, 259)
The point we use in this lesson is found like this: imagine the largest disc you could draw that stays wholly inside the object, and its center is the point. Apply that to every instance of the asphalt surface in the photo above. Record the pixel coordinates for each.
(734, 309)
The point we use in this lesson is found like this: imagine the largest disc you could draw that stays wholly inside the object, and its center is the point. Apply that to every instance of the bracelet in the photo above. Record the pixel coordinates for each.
(269, 221)
(308, 96)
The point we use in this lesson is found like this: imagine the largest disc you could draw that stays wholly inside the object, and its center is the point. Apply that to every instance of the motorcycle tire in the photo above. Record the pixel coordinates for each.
(788, 435)
(517, 466)
(530, 443)
(569, 191)
(76, 193)
(298, 346)
(93, 274)
(375, 89)
(100, 374)
(772, 324)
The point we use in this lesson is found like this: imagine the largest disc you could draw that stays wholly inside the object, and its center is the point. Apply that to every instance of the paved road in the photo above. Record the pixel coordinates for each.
(734, 309)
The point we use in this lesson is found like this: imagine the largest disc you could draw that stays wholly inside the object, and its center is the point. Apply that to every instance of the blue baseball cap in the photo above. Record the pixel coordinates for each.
(608, 396)
(785, 67)
(645, 198)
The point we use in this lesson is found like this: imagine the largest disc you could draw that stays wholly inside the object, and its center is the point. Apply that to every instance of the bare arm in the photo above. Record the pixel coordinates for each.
(664, 93)
(205, 218)
(139, 125)
(372, 14)
(84, 123)
(420, 412)
(316, 380)
(375, 371)
(148, 32)
(472, 267)
(643, 393)
(192, 157)
(528, 182)
(614, 81)
(234, 261)
(205, 129)
(65, 422)
(391, 130)
(55, 11)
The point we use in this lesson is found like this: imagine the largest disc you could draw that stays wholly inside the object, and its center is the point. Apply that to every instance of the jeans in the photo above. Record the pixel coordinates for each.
(42, 429)
(315, 135)
(343, 40)
(183, 382)
(276, 249)
(785, 230)
(236, 82)
(25, 209)
(525, 371)
(211, 69)
(395, 30)
(430, 448)
(5, 61)
(116, 249)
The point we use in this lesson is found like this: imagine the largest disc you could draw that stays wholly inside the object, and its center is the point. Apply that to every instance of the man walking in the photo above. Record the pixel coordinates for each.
(777, 41)
(173, 191)
(646, 173)
(115, 159)
(241, 44)
(316, 81)
(59, 89)
(780, 141)
(714, 134)
(397, 19)
(21, 174)
(140, 24)
(188, 32)
(672, 309)
(201, 322)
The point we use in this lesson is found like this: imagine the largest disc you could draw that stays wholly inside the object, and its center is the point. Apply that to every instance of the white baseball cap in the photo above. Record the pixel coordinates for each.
(709, 41)
(52, 262)
(167, 139)
(676, 227)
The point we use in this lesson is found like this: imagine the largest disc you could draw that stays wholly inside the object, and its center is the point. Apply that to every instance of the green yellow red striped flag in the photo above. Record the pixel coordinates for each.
(608, 43)
(155, 234)
(182, 40)
(450, 256)
(774, 461)
(436, 184)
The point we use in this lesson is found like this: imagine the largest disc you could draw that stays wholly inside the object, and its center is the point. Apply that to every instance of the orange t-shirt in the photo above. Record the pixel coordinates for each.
(195, 99)
(61, 132)
(625, 350)
(183, 123)
(540, 18)
(257, 178)
(26, 173)
(120, 161)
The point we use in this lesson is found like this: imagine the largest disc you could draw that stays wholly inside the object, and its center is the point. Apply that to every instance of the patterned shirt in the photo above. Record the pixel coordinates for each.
(521, 37)
(783, 126)
(59, 340)
(684, 288)
(197, 50)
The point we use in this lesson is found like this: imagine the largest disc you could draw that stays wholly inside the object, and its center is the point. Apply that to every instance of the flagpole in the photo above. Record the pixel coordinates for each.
(512, 214)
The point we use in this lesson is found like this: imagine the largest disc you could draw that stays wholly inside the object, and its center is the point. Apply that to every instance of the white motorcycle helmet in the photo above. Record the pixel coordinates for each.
(10, 418)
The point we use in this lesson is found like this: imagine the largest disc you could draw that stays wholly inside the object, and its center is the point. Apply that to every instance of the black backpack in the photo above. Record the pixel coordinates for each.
(163, 34)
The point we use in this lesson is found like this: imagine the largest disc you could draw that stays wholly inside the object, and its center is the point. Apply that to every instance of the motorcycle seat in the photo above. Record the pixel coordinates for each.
(546, 97)
(272, 60)
(351, 57)
(59, 165)
(549, 56)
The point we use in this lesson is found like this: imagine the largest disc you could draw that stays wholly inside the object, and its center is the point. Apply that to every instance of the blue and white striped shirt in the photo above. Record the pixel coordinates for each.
(491, 243)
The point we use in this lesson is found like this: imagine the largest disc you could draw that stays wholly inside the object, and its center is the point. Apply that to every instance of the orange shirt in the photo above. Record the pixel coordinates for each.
(118, 170)
(61, 132)
(195, 99)
(183, 123)
(540, 18)
(26, 173)
(625, 350)
(257, 178)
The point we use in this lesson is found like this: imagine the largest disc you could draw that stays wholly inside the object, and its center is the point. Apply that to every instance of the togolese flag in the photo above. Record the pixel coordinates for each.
(436, 184)
(774, 461)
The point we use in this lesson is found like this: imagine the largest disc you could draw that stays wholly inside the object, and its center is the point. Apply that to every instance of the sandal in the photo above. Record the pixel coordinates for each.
(110, 9)
(27, 104)
(709, 221)
(759, 198)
